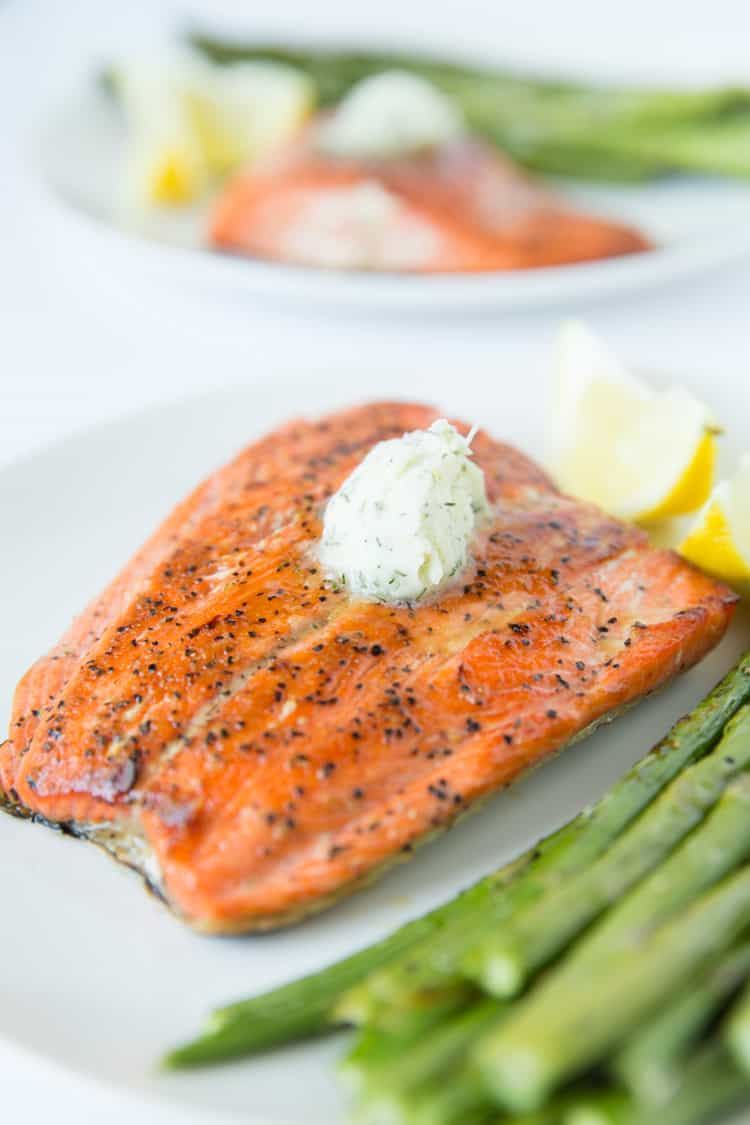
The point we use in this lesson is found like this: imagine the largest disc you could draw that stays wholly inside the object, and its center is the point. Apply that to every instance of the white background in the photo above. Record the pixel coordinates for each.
(81, 340)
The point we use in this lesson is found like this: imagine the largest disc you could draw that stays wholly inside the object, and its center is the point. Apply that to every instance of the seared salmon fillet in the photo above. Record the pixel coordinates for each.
(258, 744)
(462, 207)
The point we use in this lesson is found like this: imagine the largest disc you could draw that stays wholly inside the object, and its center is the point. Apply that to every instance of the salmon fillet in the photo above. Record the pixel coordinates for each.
(463, 207)
(257, 744)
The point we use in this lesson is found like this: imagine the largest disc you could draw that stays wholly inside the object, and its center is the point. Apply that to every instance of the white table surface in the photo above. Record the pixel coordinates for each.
(81, 342)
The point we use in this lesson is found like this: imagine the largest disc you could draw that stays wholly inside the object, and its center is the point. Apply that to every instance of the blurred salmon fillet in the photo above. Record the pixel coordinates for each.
(258, 744)
(461, 208)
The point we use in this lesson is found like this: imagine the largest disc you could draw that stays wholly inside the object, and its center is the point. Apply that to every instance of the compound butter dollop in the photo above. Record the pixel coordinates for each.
(401, 524)
(388, 115)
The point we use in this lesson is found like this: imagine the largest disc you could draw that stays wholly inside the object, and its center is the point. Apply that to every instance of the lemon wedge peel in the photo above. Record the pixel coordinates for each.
(719, 539)
(694, 486)
(174, 179)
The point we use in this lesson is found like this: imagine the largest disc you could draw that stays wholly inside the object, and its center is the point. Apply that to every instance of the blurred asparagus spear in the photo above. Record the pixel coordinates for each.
(710, 1085)
(507, 958)
(572, 1020)
(305, 1007)
(558, 127)
(737, 1031)
(650, 1064)
(387, 1082)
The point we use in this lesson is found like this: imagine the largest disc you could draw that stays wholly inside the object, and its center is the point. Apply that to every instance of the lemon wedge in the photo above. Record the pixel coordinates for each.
(190, 122)
(165, 164)
(241, 111)
(719, 540)
(640, 454)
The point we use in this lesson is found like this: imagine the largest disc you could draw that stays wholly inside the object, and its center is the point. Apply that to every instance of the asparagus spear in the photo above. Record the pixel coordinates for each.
(569, 1021)
(372, 1050)
(717, 147)
(443, 1088)
(505, 960)
(602, 1107)
(714, 849)
(564, 134)
(600, 133)
(344, 67)
(306, 1007)
(711, 1085)
(458, 1098)
(376, 1053)
(650, 1064)
(560, 127)
(551, 1114)
(432, 966)
(737, 1032)
(378, 1073)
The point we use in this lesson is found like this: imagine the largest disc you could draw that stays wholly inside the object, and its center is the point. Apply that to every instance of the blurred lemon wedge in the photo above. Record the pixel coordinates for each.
(242, 110)
(190, 122)
(640, 454)
(164, 161)
(719, 539)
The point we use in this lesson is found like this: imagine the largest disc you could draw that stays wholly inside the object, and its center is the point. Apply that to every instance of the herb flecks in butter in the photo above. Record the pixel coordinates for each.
(401, 524)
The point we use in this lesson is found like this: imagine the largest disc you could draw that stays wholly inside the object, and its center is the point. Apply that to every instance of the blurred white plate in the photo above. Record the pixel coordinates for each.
(97, 975)
(696, 224)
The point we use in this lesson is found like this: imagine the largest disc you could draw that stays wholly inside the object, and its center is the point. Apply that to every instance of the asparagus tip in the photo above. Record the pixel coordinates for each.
(176, 1059)
(201, 1051)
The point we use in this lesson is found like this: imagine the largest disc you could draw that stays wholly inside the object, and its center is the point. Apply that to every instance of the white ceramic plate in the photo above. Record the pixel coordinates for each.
(696, 224)
(97, 975)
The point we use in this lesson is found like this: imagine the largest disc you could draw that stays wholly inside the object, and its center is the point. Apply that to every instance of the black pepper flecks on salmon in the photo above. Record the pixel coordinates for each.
(259, 744)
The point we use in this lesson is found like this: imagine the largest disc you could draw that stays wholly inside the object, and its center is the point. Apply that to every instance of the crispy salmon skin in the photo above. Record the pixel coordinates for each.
(258, 744)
